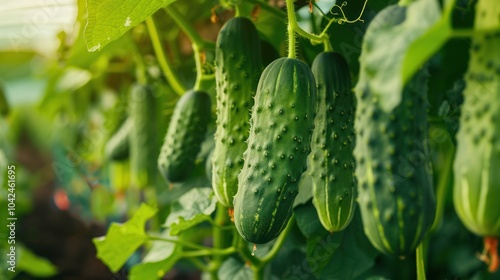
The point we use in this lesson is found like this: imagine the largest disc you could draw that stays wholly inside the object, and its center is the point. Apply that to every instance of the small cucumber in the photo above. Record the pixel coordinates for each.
(185, 134)
(117, 147)
(143, 144)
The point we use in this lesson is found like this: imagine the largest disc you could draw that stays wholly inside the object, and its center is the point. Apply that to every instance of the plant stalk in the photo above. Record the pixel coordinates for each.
(170, 75)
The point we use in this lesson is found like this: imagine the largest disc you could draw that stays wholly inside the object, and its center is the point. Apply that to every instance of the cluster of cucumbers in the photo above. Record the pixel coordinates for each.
(276, 122)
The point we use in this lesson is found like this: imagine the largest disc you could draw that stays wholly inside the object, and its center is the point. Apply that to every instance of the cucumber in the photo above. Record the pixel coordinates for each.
(331, 162)
(476, 191)
(185, 134)
(143, 144)
(117, 147)
(238, 66)
(278, 145)
(393, 168)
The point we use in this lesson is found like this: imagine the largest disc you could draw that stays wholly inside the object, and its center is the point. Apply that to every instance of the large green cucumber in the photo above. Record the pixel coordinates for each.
(185, 134)
(143, 144)
(331, 162)
(278, 145)
(238, 66)
(476, 193)
(393, 169)
(117, 147)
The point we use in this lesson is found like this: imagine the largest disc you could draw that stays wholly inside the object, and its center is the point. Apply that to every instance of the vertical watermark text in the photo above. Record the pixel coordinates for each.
(11, 217)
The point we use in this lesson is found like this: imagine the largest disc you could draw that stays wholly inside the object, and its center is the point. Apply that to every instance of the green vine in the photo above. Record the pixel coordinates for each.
(170, 75)
(198, 44)
(420, 262)
(344, 19)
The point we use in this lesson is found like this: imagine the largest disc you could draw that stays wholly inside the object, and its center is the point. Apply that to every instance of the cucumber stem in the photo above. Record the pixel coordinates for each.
(420, 262)
(290, 8)
(197, 42)
(443, 184)
(219, 238)
(170, 75)
(184, 25)
(237, 11)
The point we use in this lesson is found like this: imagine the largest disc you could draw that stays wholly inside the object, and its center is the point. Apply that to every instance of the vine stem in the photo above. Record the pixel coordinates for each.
(443, 185)
(171, 77)
(197, 43)
(278, 244)
(209, 252)
(219, 238)
(199, 264)
(290, 8)
(293, 27)
(187, 28)
(180, 242)
(420, 262)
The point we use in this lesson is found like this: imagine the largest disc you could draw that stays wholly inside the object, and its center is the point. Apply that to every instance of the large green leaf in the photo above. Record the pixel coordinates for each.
(428, 44)
(235, 270)
(385, 45)
(192, 208)
(342, 255)
(354, 257)
(108, 20)
(33, 264)
(161, 258)
(122, 240)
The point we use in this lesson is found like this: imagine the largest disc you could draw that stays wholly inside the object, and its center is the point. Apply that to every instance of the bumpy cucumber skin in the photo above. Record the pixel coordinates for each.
(143, 144)
(331, 162)
(238, 67)
(185, 134)
(476, 192)
(278, 145)
(395, 190)
(117, 147)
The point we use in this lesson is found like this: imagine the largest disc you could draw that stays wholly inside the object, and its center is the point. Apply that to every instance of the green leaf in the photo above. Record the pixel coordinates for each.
(308, 221)
(109, 20)
(192, 208)
(428, 44)
(321, 250)
(122, 240)
(33, 264)
(305, 190)
(161, 258)
(355, 255)
(235, 270)
(385, 45)
(342, 255)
